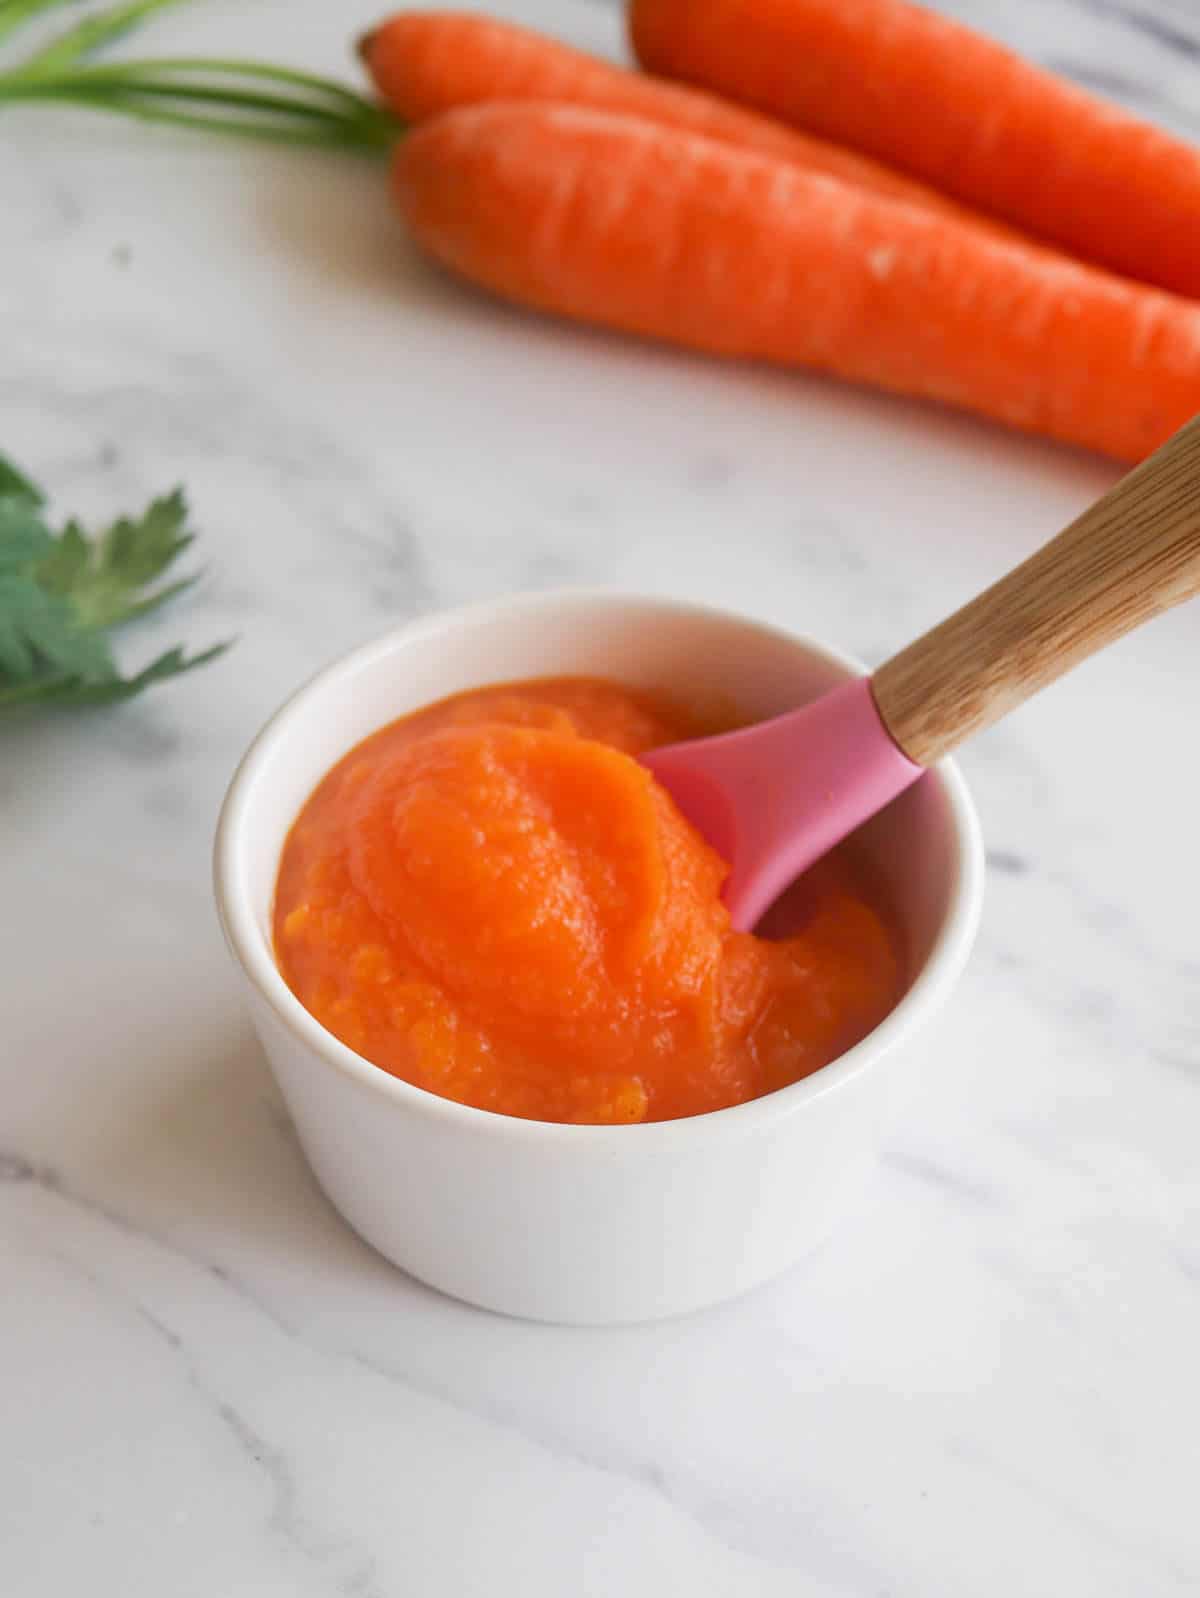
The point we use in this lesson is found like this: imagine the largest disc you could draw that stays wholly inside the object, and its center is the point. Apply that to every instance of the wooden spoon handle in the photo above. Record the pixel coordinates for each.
(1134, 554)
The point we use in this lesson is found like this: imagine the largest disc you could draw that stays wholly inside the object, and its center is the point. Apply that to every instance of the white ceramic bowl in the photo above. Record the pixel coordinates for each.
(580, 1223)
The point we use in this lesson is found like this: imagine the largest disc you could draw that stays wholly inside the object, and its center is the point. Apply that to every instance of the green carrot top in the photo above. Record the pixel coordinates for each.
(241, 98)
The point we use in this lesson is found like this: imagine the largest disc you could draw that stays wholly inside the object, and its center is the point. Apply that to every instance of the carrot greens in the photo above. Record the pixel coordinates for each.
(241, 98)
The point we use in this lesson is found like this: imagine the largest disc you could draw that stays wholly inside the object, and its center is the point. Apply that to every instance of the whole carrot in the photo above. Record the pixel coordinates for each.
(617, 221)
(425, 62)
(960, 111)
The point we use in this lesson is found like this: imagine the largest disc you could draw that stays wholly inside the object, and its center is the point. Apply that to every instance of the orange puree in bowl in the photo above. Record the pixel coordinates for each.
(492, 899)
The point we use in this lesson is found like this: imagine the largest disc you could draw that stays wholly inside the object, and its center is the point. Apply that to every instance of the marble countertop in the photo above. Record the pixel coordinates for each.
(986, 1383)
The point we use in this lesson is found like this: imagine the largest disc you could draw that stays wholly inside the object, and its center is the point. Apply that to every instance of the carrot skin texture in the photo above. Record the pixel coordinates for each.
(955, 109)
(427, 62)
(621, 223)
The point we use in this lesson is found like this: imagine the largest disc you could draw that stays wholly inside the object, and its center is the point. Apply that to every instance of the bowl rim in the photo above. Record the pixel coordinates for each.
(253, 955)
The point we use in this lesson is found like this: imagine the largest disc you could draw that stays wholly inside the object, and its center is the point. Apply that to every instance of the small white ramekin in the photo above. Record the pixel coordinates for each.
(578, 1223)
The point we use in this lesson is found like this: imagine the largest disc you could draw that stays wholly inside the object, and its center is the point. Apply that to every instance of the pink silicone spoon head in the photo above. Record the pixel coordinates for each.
(775, 797)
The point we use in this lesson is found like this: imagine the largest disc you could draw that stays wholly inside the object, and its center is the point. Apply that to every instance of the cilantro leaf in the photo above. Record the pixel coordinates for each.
(62, 594)
(66, 690)
(104, 580)
(15, 485)
(39, 629)
(24, 537)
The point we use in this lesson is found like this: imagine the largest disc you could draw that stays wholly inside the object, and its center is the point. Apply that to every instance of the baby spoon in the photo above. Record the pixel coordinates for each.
(774, 797)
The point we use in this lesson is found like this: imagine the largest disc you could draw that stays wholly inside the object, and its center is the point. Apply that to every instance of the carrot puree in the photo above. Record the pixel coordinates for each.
(492, 899)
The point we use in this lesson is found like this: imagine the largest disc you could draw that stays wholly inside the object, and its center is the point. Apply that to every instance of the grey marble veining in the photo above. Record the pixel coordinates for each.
(985, 1384)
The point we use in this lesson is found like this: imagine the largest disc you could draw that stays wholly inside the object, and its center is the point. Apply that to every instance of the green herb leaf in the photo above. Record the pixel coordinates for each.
(62, 594)
(15, 485)
(39, 629)
(105, 581)
(24, 537)
(74, 692)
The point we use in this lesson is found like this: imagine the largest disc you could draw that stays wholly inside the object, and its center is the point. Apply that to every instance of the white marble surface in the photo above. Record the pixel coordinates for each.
(987, 1383)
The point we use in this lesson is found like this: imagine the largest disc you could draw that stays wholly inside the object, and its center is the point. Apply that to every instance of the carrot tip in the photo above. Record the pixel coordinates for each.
(365, 42)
